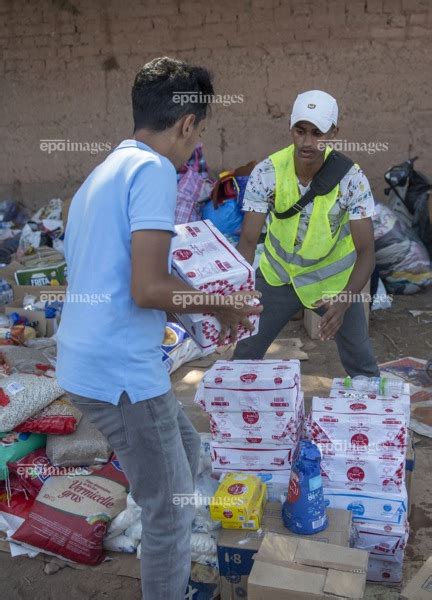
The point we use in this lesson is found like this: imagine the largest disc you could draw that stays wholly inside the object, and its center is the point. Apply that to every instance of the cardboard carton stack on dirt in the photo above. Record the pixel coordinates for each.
(363, 437)
(256, 418)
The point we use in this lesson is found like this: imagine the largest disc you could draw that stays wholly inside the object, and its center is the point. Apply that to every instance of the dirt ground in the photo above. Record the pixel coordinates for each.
(394, 333)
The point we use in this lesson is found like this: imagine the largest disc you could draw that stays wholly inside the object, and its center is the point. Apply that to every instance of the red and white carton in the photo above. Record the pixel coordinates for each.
(250, 457)
(203, 258)
(346, 424)
(382, 539)
(382, 570)
(364, 471)
(238, 385)
(402, 399)
(276, 427)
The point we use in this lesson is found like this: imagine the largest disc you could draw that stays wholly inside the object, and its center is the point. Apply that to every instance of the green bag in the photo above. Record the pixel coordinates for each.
(14, 445)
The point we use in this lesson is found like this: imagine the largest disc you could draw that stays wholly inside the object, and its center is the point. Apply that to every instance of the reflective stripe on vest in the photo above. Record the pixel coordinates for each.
(277, 267)
(298, 260)
(325, 272)
(319, 275)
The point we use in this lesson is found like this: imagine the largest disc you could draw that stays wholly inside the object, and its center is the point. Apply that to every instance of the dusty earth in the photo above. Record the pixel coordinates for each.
(394, 333)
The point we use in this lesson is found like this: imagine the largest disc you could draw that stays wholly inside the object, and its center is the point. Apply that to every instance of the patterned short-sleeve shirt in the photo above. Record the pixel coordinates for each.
(355, 196)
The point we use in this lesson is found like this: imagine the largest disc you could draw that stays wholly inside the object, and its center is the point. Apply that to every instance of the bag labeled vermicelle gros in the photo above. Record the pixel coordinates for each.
(71, 515)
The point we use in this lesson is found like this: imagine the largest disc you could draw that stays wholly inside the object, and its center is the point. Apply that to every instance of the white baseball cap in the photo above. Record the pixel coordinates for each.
(316, 107)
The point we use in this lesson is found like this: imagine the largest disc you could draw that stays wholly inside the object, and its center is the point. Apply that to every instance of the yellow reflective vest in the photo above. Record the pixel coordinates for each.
(324, 262)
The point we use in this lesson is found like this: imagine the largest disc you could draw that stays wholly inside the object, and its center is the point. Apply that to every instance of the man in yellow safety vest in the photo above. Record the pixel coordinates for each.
(319, 245)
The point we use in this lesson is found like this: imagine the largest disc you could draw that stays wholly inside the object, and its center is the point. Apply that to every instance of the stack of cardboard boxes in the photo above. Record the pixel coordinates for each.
(363, 439)
(256, 417)
(236, 548)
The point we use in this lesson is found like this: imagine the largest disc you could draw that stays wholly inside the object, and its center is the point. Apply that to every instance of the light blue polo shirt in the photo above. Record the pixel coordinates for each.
(106, 343)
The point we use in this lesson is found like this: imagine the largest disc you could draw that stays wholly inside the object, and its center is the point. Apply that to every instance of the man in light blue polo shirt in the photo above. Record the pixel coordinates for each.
(117, 248)
(133, 189)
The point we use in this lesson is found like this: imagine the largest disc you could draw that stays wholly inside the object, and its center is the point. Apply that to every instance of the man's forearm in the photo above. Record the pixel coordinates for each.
(252, 227)
(361, 272)
(172, 295)
(247, 250)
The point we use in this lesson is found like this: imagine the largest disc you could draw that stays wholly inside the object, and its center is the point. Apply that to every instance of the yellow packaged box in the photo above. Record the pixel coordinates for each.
(237, 495)
(254, 521)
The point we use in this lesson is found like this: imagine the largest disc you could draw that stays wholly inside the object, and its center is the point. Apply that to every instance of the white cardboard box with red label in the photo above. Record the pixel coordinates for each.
(383, 539)
(381, 570)
(345, 424)
(250, 458)
(276, 427)
(239, 385)
(381, 472)
(203, 258)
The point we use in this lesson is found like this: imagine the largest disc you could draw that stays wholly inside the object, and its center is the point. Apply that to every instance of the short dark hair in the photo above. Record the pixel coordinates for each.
(154, 89)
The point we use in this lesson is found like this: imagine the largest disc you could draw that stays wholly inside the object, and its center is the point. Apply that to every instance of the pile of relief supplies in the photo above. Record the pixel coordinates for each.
(50, 455)
(256, 415)
(362, 432)
(31, 251)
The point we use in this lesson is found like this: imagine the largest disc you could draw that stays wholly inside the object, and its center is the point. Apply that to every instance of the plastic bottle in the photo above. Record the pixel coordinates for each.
(377, 385)
(304, 510)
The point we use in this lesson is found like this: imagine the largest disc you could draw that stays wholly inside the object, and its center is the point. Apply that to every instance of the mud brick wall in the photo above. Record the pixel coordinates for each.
(66, 69)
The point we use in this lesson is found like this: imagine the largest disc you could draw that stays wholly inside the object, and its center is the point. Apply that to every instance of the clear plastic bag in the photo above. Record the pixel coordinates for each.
(205, 489)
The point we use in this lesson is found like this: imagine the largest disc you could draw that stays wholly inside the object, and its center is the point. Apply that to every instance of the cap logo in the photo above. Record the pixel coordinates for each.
(311, 105)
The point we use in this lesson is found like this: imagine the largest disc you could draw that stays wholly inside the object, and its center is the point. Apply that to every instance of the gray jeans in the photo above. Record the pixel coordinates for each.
(158, 449)
(281, 303)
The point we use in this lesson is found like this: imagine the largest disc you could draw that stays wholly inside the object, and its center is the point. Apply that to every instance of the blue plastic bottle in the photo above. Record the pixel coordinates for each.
(304, 510)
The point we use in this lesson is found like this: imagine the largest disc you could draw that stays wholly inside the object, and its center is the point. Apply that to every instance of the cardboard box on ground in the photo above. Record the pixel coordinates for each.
(311, 320)
(50, 274)
(19, 291)
(420, 586)
(237, 547)
(44, 327)
(292, 568)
